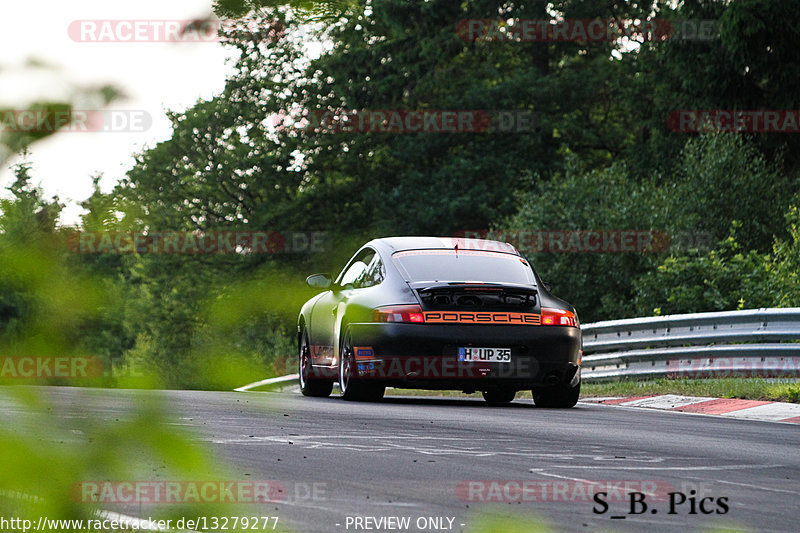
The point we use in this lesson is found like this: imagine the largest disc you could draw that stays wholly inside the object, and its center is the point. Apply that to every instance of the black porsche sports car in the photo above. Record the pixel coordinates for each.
(439, 313)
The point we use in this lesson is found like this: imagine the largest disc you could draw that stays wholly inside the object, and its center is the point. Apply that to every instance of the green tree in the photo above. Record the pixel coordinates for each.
(723, 279)
(27, 226)
(598, 284)
(785, 266)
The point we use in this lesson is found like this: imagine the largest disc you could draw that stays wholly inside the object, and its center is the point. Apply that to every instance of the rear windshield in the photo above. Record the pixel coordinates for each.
(463, 265)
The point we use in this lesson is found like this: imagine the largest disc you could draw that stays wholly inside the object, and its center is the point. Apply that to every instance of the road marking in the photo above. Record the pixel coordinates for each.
(667, 401)
(543, 473)
(614, 400)
(773, 411)
(679, 468)
(749, 485)
(369, 437)
(439, 446)
(725, 407)
(720, 407)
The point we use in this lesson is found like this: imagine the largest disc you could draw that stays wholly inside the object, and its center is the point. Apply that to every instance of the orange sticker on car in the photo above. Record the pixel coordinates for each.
(364, 352)
(466, 317)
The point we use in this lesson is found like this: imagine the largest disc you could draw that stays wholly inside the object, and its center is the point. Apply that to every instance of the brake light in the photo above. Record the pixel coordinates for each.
(398, 313)
(558, 317)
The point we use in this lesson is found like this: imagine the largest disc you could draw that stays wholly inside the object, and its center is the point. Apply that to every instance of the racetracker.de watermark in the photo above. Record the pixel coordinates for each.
(173, 30)
(734, 121)
(37, 367)
(74, 120)
(187, 242)
(529, 490)
(178, 492)
(722, 367)
(585, 30)
(408, 121)
(573, 241)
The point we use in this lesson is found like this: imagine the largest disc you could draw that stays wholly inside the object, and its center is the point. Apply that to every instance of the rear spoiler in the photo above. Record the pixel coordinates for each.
(442, 286)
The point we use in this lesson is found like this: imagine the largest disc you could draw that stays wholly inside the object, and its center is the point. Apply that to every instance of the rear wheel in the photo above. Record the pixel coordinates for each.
(556, 395)
(350, 385)
(499, 396)
(309, 385)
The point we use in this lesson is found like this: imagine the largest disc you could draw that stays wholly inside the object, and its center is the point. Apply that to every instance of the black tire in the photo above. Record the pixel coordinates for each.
(309, 385)
(556, 396)
(499, 396)
(351, 387)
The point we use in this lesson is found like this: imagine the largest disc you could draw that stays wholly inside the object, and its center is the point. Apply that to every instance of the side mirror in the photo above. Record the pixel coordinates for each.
(547, 286)
(319, 281)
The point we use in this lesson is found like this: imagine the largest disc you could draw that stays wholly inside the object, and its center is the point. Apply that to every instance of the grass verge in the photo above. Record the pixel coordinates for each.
(745, 388)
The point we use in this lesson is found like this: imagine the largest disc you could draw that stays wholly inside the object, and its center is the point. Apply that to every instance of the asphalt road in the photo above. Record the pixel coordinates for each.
(424, 458)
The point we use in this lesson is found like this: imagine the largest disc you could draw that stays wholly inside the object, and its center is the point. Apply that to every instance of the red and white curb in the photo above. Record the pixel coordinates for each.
(733, 408)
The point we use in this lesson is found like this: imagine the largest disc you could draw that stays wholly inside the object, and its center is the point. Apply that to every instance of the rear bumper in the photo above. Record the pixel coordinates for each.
(426, 355)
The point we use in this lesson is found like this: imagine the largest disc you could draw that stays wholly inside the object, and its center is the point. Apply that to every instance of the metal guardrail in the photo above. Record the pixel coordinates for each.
(272, 383)
(755, 342)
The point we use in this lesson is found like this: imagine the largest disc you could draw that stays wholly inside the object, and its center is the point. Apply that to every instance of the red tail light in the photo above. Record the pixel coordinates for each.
(558, 317)
(398, 313)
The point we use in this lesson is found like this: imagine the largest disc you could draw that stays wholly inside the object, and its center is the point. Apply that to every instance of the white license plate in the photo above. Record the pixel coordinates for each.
(486, 355)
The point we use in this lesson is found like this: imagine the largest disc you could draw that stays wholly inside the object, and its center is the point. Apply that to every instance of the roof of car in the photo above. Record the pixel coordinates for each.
(398, 244)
